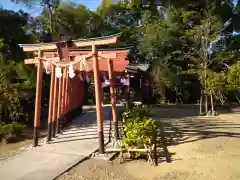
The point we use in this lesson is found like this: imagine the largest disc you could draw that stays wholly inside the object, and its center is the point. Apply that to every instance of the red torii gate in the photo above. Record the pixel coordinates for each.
(62, 55)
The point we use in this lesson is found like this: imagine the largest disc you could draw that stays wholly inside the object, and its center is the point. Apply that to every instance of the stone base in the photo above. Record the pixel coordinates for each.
(105, 157)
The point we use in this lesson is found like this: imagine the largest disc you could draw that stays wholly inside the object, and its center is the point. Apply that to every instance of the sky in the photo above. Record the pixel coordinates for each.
(34, 11)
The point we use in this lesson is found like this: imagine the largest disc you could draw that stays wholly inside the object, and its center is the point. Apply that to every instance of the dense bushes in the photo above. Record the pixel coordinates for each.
(10, 132)
(139, 127)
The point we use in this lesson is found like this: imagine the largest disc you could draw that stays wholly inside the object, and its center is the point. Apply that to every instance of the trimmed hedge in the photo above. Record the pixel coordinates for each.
(139, 128)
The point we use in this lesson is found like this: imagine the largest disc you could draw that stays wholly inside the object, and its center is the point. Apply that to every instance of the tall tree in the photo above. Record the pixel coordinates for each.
(203, 35)
(161, 44)
(120, 18)
(72, 20)
(13, 30)
(16, 80)
(47, 6)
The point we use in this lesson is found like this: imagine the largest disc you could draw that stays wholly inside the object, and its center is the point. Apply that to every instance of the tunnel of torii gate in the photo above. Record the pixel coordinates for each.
(64, 62)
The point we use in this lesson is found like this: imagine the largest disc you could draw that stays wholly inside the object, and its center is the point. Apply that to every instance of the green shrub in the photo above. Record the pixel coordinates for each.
(11, 132)
(131, 111)
(139, 127)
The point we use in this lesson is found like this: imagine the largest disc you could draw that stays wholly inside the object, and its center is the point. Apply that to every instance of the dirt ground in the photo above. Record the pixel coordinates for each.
(9, 150)
(190, 148)
(12, 149)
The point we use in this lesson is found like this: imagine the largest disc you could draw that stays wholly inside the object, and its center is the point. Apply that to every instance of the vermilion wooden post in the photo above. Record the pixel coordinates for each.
(98, 95)
(64, 91)
(59, 112)
(62, 94)
(113, 98)
(67, 93)
(50, 108)
(55, 100)
(38, 100)
(70, 94)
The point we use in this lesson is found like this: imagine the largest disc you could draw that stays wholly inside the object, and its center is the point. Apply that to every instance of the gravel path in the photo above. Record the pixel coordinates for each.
(192, 148)
(94, 169)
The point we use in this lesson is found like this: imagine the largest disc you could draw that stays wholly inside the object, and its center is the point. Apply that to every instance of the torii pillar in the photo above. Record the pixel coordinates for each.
(98, 95)
(113, 99)
(38, 99)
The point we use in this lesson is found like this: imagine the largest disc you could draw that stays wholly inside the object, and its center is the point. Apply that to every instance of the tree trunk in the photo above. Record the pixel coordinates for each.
(50, 18)
(205, 88)
(238, 99)
(6, 114)
(212, 105)
(206, 104)
(1, 113)
(200, 106)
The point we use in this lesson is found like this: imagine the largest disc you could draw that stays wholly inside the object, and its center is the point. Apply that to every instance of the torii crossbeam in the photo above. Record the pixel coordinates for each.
(60, 89)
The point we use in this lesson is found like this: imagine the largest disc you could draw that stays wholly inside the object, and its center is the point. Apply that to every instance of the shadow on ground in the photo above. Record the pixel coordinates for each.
(85, 127)
(182, 125)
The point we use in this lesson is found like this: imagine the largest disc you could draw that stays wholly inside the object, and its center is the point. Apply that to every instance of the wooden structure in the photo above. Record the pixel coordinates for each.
(150, 151)
(139, 81)
(59, 57)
